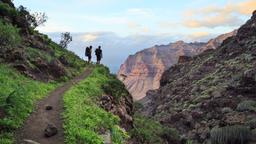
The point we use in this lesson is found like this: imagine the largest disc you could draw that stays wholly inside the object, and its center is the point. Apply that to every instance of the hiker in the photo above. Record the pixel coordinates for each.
(98, 53)
(88, 53)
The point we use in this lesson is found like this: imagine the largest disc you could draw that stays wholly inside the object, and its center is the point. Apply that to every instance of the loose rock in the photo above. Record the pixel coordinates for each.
(50, 130)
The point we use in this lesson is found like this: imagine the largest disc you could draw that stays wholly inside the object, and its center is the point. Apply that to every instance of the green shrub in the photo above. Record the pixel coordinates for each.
(6, 10)
(118, 135)
(148, 131)
(9, 37)
(115, 87)
(6, 138)
(34, 53)
(251, 123)
(189, 142)
(248, 105)
(230, 135)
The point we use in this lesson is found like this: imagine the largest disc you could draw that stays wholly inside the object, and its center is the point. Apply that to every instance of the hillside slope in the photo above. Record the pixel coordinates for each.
(212, 97)
(97, 109)
(31, 52)
(142, 71)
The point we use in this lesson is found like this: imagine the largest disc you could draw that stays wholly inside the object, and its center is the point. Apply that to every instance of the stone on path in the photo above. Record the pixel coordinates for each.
(48, 108)
(50, 130)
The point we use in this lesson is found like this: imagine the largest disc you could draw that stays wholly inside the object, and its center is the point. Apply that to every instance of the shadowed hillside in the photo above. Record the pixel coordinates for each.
(211, 98)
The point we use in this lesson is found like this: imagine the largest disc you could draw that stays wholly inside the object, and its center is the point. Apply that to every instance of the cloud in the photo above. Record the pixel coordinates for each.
(200, 34)
(214, 16)
(89, 37)
(214, 21)
(138, 27)
(140, 12)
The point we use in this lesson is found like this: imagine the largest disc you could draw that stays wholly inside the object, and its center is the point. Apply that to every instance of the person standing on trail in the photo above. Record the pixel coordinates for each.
(98, 53)
(88, 53)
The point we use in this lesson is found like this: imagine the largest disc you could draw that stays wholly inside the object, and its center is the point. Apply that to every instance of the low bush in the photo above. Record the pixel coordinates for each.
(230, 135)
(115, 87)
(148, 131)
(9, 37)
(251, 123)
(247, 105)
(6, 10)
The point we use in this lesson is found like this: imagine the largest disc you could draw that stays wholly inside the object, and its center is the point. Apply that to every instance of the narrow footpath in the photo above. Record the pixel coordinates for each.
(33, 130)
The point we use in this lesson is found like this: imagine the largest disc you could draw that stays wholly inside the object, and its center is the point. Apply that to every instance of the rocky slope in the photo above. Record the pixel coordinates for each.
(142, 72)
(211, 98)
(216, 42)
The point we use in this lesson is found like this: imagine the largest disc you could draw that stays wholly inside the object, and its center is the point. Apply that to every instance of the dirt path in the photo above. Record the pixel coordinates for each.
(33, 128)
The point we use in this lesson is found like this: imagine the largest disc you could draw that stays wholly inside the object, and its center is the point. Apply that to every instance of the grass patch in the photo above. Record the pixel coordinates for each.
(84, 119)
(9, 37)
(115, 88)
(17, 97)
(148, 131)
(34, 53)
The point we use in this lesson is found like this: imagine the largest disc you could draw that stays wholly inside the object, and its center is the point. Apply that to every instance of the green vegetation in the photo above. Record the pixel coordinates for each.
(230, 135)
(9, 37)
(251, 123)
(148, 131)
(248, 105)
(84, 119)
(34, 53)
(6, 10)
(75, 64)
(115, 88)
(17, 97)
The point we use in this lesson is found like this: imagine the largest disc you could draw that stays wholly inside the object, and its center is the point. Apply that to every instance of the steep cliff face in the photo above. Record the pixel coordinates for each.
(142, 72)
(211, 98)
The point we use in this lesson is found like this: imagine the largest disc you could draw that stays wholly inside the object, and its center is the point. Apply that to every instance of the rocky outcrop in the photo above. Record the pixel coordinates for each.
(142, 72)
(123, 108)
(212, 97)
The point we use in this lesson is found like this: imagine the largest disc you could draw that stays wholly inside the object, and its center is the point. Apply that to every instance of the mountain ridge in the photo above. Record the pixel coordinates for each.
(142, 71)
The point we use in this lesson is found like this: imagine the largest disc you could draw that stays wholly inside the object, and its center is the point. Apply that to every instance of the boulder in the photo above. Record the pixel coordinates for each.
(50, 130)
(48, 108)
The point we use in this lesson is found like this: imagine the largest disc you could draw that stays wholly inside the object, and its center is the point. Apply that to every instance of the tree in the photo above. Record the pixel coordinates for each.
(34, 20)
(39, 19)
(66, 38)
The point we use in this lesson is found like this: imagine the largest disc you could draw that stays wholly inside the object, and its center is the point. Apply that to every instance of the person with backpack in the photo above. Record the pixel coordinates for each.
(88, 53)
(98, 53)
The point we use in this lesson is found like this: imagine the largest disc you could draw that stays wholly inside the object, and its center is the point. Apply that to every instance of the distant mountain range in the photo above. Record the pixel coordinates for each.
(142, 71)
(115, 48)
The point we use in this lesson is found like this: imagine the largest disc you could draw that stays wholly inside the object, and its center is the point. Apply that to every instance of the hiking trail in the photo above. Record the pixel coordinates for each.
(32, 132)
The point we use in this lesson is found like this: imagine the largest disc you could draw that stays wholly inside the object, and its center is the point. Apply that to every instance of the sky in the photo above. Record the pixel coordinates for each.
(139, 24)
